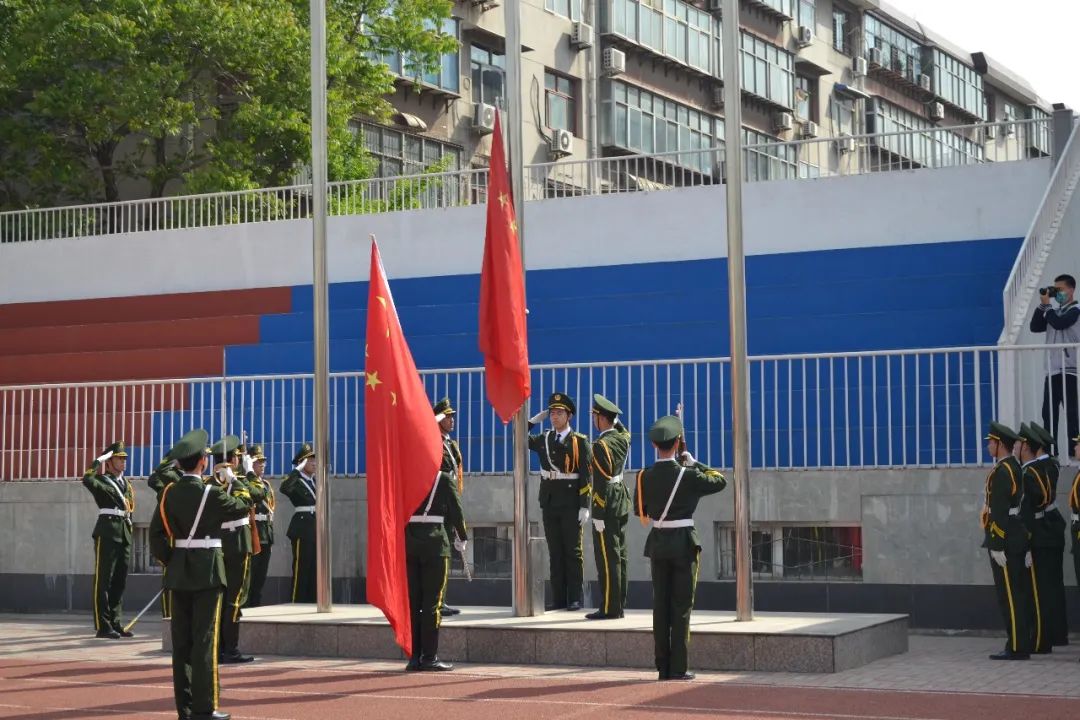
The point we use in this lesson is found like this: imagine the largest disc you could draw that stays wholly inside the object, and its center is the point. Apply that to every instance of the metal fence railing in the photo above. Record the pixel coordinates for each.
(905, 408)
(779, 160)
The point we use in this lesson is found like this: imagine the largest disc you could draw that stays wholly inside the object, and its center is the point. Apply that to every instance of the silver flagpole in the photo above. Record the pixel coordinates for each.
(522, 595)
(740, 369)
(322, 340)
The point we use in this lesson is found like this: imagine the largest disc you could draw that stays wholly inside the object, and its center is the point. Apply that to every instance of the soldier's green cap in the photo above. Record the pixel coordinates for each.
(999, 431)
(666, 429)
(117, 449)
(1028, 435)
(226, 445)
(194, 443)
(561, 400)
(1047, 440)
(601, 404)
(256, 453)
(305, 452)
(443, 407)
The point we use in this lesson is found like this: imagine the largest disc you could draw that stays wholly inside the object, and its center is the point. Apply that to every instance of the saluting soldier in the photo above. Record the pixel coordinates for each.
(299, 487)
(115, 498)
(185, 536)
(264, 524)
(165, 474)
(610, 507)
(446, 417)
(237, 547)
(1006, 541)
(427, 559)
(667, 494)
(565, 459)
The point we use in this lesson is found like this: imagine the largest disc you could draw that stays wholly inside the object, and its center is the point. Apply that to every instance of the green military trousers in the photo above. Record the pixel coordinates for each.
(564, 537)
(674, 582)
(238, 579)
(427, 575)
(260, 564)
(194, 627)
(1014, 595)
(609, 549)
(303, 575)
(110, 577)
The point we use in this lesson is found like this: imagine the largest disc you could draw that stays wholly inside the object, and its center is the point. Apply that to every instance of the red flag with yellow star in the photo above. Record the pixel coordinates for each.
(404, 452)
(503, 335)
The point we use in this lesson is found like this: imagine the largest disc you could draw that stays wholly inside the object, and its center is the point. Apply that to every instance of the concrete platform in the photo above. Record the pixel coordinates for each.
(776, 642)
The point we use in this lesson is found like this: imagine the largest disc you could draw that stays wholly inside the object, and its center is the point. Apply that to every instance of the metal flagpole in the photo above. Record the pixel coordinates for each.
(740, 369)
(522, 585)
(322, 340)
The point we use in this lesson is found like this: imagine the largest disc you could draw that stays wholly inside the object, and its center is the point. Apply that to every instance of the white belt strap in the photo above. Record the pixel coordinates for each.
(1014, 511)
(305, 508)
(235, 524)
(660, 522)
(198, 514)
(1076, 517)
(116, 487)
(200, 544)
(434, 489)
(665, 524)
(433, 519)
(112, 511)
(263, 517)
(615, 478)
(554, 475)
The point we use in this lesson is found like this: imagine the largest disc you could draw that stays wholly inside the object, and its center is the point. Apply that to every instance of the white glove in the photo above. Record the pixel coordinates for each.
(599, 525)
(460, 545)
(583, 516)
(539, 417)
(1027, 560)
(226, 474)
(998, 556)
(440, 417)
(248, 463)
(687, 458)
(105, 458)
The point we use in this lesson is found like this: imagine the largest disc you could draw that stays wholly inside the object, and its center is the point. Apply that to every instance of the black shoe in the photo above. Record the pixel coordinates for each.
(549, 608)
(683, 676)
(1044, 651)
(661, 676)
(413, 666)
(448, 611)
(108, 635)
(435, 665)
(216, 715)
(1010, 655)
(574, 606)
(599, 615)
(124, 633)
(235, 659)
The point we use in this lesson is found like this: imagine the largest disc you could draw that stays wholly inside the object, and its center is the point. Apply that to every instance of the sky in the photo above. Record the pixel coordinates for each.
(1036, 39)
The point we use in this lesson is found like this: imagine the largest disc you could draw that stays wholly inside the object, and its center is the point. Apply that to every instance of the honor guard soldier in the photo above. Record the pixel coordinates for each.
(237, 547)
(299, 487)
(115, 498)
(264, 524)
(610, 507)
(165, 474)
(565, 459)
(185, 536)
(445, 416)
(427, 560)
(1006, 541)
(1074, 506)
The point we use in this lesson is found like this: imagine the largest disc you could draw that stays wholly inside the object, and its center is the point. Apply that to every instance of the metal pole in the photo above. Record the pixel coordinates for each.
(522, 586)
(740, 367)
(319, 286)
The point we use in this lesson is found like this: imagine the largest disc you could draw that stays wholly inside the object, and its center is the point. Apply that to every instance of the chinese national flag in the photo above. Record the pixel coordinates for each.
(503, 337)
(404, 452)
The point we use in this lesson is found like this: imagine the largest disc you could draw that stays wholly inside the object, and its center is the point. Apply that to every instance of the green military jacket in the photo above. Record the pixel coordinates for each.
(193, 569)
(1041, 518)
(301, 492)
(239, 541)
(264, 508)
(111, 493)
(1074, 506)
(430, 539)
(609, 453)
(164, 474)
(653, 488)
(1004, 530)
(571, 457)
(451, 460)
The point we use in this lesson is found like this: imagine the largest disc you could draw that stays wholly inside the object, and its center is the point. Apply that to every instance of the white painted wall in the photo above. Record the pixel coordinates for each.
(921, 206)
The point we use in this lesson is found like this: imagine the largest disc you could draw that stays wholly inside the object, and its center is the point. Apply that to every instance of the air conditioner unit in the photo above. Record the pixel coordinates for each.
(845, 144)
(783, 121)
(714, 5)
(582, 35)
(614, 62)
(874, 56)
(717, 98)
(991, 132)
(924, 82)
(486, 4)
(858, 66)
(810, 129)
(804, 35)
(561, 143)
(936, 111)
(483, 118)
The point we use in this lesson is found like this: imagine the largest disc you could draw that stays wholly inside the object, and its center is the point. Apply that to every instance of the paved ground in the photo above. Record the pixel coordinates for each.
(52, 668)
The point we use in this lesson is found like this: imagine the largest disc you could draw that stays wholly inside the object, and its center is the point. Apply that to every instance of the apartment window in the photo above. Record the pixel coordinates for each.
(567, 8)
(561, 107)
(489, 552)
(1038, 133)
(957, 84)
(672, 28)
(488, 75)
(446, 77)
(900, 53)
(807, 13)
(842, 115)
(1008, 115)
(841, 26)
(782, 7)
(813, 553)
(767, 158)
(932, 148)
(767, 70)
(806, 97)
(398, 153)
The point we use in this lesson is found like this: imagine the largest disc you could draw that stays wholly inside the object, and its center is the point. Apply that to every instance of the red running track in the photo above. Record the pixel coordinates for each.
(49, 690)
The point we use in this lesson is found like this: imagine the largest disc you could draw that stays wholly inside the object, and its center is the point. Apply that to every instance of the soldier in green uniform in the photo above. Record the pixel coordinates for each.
(299, 487)
(264, 524)
(165, 474)
(237, 547)
(565, 459)
(1074, 506)
(1006, 541)
(185, 536)
(115, 498)
(445, 416)
(427, 559)
(667, 493)
(610, 507)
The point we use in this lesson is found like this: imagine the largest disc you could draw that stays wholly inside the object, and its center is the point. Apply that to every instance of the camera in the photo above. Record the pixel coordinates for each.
(1051, 291)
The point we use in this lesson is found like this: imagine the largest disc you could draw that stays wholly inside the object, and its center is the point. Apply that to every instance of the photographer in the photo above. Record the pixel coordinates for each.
(1061, 328)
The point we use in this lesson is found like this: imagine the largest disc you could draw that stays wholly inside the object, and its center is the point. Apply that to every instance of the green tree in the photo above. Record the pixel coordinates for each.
(104, 97)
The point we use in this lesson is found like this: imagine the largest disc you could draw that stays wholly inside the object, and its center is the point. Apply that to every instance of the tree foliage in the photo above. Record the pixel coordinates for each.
(104, 98)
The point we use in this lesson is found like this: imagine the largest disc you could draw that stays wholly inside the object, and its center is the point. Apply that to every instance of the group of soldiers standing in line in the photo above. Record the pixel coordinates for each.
(1025, 538)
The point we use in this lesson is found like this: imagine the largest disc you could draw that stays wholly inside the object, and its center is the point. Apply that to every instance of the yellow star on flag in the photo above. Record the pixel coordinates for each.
(373, 379)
